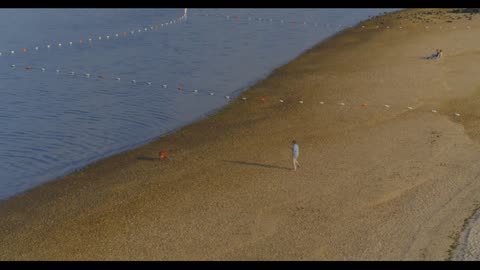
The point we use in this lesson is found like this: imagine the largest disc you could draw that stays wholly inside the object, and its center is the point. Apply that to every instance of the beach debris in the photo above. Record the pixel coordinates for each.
(163, 154)
(363, 26)
(281, 100)
(434, 111)
(457, 114)
(410, 108)
(244, 98)
(387, 106)
(341, 104)
(321, 102)
(301, 102)
(364, 104)
(262, 99)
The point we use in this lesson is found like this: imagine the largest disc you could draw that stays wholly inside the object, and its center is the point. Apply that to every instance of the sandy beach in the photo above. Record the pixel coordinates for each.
(376, 182)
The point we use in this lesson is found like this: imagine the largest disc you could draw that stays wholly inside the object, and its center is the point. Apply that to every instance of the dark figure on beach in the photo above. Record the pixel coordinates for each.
(295, 154)
(436, 55)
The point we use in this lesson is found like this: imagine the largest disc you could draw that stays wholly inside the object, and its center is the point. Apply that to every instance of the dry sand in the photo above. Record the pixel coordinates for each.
(376, 183)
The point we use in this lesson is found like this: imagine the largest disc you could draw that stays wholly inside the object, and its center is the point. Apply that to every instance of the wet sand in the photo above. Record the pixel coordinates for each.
(375, 183)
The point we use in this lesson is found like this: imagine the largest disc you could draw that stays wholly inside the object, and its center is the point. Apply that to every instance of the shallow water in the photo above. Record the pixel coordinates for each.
(52, 123)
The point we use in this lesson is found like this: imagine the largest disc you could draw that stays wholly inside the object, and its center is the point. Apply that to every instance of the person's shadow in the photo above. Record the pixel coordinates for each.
(256, 164)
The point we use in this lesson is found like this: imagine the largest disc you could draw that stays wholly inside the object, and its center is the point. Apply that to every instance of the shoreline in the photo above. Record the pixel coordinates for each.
(371, 176)
(121, 150)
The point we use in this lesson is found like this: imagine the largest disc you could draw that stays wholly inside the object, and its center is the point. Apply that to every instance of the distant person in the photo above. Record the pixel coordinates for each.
(295, 153)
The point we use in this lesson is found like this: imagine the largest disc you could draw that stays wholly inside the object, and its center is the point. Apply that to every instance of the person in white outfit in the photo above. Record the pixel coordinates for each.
(295, 153)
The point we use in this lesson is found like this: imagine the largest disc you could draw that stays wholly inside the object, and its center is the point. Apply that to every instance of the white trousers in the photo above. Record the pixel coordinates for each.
(295, 164)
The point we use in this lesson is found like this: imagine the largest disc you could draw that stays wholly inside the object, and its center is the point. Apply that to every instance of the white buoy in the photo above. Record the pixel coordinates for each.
(211, 93)
(70, 43)
(118, 79)
(48, 46)
(36, 48)
(195, 91)
(99, 38)
(12, 52)
(116, 35)
(87, 75)
(146, 29)
(139, 30)
(90, 39)
(149, 83)
(43, 69)
(164, 86)
(227, 97)
(59, 44)
(134, 81)
(457, 114)
(58, 71)
(12, 66)
(108, 37)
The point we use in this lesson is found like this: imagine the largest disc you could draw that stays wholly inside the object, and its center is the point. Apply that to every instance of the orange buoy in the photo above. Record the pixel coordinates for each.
(24, 50)
(364, 105)
(163, 154)
(28, 68)
(262, 99)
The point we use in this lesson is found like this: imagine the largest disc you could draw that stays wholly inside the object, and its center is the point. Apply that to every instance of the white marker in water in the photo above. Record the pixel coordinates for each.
(164, 86)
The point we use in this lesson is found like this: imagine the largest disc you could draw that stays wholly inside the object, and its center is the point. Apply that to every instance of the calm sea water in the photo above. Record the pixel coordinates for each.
(52, 123)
